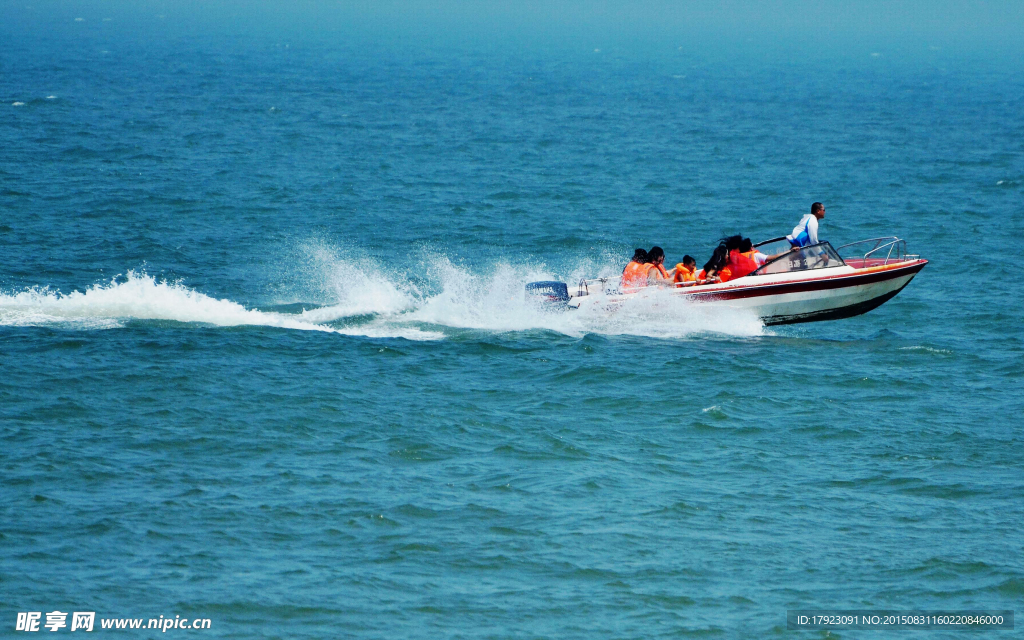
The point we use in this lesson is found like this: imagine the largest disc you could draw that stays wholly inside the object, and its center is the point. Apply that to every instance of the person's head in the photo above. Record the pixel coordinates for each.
(746, 245)
(689, 262)
(656, 255)
(732, 242)
(818, 210)
(718, 259)
(640, 255)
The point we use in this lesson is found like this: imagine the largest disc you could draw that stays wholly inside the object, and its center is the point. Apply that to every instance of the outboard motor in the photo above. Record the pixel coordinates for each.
(549, 292)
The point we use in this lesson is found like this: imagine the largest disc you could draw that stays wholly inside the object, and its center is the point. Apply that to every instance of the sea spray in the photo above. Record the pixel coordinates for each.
(139, 296)
(367, 300)
(492, 298)
(134, 296)
(351, 284)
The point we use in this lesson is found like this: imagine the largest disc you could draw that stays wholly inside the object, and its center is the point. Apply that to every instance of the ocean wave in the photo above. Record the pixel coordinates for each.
(493, 299)
(357, 295)
(135, 296)
(138, 296)
(926, 349)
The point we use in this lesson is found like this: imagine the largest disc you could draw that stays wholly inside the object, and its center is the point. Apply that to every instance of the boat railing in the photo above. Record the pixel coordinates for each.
(812, 256)
(764, 242)
(583, 289)
(895, 249)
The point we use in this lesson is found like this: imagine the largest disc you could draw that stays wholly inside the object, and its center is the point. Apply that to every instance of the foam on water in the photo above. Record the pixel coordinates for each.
(493, 298)
(926, 349)
(140, 296)
(363, 297)
(356, 285)
(497, 301)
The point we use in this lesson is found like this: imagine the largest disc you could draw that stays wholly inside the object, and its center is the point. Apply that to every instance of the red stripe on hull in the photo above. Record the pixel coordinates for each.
(816, 284)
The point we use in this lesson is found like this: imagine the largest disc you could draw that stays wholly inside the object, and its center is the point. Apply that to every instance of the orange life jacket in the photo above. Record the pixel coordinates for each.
(685, 274)
(725, 273)
(659, 267)
(741, 264)
(634, 276)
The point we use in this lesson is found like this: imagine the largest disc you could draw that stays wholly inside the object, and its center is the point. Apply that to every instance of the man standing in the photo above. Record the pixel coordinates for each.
(806, 231)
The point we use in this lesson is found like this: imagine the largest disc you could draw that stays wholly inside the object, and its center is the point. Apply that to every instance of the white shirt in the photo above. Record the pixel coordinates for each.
(811, 222)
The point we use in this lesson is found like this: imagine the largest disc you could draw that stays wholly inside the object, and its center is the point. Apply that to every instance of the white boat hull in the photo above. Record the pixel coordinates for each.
(808, 296)
(843, 293)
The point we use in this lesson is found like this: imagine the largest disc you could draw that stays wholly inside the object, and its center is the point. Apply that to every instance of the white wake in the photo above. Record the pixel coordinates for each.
(353, 294)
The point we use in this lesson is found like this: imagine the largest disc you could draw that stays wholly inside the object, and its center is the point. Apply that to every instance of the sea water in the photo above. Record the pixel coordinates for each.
(266, 356)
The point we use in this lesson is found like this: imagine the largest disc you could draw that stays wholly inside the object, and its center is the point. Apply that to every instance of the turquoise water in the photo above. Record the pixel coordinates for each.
(265, 356)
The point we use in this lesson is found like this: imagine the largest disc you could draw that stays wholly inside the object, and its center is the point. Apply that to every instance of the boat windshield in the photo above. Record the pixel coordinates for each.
(815, 256)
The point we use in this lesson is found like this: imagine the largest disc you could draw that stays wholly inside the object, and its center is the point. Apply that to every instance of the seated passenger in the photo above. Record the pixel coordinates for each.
(686, 271)
(634, 276)
(718, 268)
(759, 257)
(656, 274)
(741, 260)
(747, 248)
(718, 259)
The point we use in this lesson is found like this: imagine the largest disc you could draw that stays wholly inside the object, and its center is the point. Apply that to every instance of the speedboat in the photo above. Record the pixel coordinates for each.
(816, 282)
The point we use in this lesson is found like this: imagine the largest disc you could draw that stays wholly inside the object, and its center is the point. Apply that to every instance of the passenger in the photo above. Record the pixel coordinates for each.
(639, 257)
(634, 276)
(747, 248)
(656, 274)
(709, 272)
(740, 265)
(686, 272)
(723, 255)
(761, 258)
(806, 231)
(743, 260)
